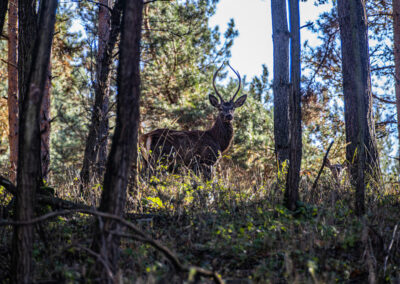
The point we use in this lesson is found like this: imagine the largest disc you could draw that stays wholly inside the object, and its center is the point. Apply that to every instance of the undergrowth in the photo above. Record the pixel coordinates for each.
(235, 225)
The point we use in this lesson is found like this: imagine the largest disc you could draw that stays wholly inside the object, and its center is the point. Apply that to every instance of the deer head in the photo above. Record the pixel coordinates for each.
(226, 108)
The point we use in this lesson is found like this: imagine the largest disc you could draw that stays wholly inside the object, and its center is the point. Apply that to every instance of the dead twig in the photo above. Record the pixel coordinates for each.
(99, 258)
(9, 63)
(389, 248)
(151, 1)
(8, 185)
(322, 166)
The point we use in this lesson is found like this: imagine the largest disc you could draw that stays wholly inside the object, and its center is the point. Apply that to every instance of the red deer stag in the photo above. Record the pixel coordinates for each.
(198, 150)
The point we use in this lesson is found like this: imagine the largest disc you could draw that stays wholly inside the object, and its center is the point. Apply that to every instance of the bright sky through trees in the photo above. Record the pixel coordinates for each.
(253, 47)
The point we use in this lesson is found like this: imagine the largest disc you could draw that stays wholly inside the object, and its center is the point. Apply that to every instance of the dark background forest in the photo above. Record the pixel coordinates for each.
(308, 192)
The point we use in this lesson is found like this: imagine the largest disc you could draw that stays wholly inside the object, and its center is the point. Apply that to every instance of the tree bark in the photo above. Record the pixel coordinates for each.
(45, 126)
(281, 87)
(104, 38)
(124, 144)
(3, 12)
(96, 143)
(28, 176)
(295, 143)
(361, 152)
(396, 51)
(13, 88)
(27, 30)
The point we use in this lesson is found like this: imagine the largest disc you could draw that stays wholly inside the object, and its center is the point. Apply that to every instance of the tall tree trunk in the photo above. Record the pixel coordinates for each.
(96, 143)
(396, 50)
(26, 180)
(104, 37)
(3, 12)
(281, 87)
(361, 152)
(13, 88)
(28, 176)
(124, 144)
(45, 127)
(295, 152)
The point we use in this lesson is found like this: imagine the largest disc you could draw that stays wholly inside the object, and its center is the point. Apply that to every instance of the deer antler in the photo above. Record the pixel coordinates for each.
(215, 88)
(240, 81)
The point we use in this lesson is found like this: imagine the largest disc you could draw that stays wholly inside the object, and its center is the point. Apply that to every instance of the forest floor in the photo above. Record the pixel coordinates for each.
(236, 226)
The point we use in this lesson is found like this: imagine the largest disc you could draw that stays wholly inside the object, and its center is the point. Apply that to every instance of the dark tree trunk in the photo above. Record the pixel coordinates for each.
(396, 51)
(13, 88)
(361, 152)
(45, 127)
(3, 12)
(281, 87)
(96, 143)
(28, 176)
(104, 38)
(295, 152)
(27, 30)
(103, 137)
(124, 143)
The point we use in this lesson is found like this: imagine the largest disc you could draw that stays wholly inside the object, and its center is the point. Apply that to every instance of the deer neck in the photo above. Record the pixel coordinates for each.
(222, 131)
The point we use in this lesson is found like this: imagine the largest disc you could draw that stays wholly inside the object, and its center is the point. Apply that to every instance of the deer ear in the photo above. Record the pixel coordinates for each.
(240, 101)
(213, 100)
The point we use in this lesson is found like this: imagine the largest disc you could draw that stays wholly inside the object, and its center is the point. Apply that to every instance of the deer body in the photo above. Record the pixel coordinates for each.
(198, 150)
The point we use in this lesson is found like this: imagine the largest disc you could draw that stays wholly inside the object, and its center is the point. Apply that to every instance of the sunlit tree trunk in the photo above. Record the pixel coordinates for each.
(13, 88)
(361, 152)
(281, 87)
(396, 49)
(28, 175)
(295, 152)
(124, 143)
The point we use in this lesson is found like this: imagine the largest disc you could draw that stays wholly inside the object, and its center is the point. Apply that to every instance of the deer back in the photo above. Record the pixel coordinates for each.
(182, 146)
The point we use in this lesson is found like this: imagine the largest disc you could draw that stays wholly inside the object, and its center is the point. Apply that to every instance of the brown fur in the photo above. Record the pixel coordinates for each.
(196, 149)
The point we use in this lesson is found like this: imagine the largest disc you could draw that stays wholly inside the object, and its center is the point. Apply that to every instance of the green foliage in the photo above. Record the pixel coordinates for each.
(180, 55)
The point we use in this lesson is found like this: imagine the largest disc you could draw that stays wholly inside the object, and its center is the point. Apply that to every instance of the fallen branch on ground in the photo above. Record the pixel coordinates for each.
(143, 238)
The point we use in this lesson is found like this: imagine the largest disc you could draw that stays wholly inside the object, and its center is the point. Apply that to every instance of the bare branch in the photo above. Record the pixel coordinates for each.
(382, 68)
(151, 1)
(99, 258)
(8, 185)
(386, 122)
(9, 63)
(322, 166)
(383, 100)
(310, 24)
(389, 248)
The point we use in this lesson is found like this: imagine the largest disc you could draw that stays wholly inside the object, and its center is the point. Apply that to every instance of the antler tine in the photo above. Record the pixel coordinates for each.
(215, 77)
(240, 81)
